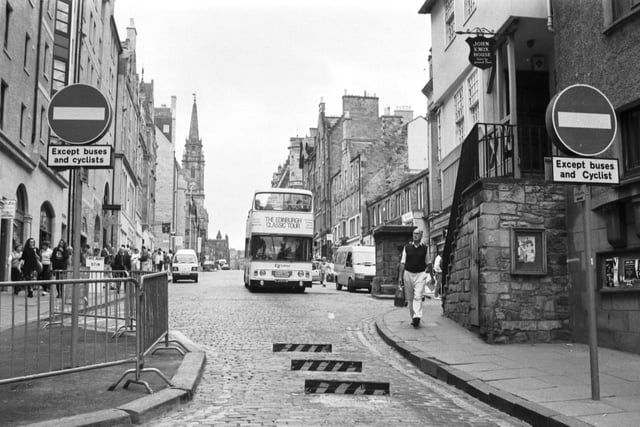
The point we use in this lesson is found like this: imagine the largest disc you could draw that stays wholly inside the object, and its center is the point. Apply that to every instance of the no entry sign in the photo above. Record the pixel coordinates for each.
(79, 114)
(582, 120)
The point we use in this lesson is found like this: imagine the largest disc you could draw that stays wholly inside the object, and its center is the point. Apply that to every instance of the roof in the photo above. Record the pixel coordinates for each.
(427, 6)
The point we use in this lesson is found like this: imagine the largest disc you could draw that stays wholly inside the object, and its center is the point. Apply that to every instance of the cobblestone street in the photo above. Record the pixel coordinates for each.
(246, 383)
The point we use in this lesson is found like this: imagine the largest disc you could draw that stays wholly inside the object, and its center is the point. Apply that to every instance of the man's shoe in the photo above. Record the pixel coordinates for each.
(415, 322)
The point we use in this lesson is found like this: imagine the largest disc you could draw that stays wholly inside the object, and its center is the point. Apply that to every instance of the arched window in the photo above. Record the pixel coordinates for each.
(46, 223)
(97, 230)
(21, 211)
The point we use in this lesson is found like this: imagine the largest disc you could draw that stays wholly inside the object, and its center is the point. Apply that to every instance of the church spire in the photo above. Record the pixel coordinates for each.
(193, 128)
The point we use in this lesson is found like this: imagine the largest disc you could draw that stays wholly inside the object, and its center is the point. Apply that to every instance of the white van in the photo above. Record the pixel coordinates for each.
(355, 267)
(185, 265)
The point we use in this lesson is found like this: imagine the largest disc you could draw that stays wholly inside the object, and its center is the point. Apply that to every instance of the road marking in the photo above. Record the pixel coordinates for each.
(316, 348)
(346, 387)
(78, 113)
(584, 120)
(326, 365)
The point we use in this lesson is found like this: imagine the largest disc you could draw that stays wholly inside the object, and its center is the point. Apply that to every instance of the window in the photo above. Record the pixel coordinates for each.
(449, 20)
(420, 190)
(18, 220)
(630, 132)
(398, 205)
(46, 69)
(474, 104)
(438, 136)
(352, 227)
(407, 200)
(621, 8)
(46, 224)
(3, 101)
(7, 19)
(27, 44)
(23, 124)
(43, 124)
(469, 8)
(458, 101)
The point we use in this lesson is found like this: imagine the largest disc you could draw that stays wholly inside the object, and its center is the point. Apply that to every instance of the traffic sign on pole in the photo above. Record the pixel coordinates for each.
(582, 120)
(79, 114)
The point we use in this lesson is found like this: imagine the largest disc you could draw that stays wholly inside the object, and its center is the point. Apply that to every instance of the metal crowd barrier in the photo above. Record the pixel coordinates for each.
(100, 319)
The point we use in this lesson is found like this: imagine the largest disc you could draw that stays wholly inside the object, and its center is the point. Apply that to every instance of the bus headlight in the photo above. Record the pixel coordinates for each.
(263, 272)
(300, 273)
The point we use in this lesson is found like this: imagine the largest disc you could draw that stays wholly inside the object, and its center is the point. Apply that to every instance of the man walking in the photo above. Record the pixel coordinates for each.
(413, 275)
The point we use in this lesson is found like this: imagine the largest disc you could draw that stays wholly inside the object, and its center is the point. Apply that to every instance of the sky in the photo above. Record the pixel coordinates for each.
(259, 70)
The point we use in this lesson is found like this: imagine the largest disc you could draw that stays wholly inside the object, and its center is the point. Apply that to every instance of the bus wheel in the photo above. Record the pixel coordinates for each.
(338, 286)
(350, 285)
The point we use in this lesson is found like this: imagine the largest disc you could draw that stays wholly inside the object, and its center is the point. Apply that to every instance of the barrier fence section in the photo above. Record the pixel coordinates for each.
(78, 324)
(152, 327)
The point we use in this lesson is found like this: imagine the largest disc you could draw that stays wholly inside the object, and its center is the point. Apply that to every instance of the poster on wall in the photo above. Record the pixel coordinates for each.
(621, 271)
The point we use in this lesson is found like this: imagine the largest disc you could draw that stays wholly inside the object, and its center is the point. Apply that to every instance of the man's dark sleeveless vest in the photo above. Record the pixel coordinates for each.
(415, 258)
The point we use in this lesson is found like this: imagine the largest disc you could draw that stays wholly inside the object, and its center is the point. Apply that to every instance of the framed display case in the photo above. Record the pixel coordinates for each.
(528, 251)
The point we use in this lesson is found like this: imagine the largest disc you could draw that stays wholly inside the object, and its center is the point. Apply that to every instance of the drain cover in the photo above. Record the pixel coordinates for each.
(326, 365)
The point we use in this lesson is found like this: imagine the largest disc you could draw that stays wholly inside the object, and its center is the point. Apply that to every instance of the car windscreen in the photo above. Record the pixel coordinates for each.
(364, 258)
(185, 259)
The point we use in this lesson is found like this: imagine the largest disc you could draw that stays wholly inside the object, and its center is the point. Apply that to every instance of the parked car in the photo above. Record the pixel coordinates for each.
(315, 271)
(209, 266)
(185, 265)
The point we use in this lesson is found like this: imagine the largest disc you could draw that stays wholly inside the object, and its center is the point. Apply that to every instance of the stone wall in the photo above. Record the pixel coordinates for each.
(512, 308)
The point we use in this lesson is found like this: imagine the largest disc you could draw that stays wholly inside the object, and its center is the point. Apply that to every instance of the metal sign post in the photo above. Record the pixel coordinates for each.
(78, 114)
(581, 120)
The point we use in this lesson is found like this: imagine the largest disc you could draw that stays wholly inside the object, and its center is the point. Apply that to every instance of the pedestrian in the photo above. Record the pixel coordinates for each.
(323, 271)
(167, 260)
(31, 263)
(122, 264)
(16, 274)
(60, 263)
(45, 254)
(437, 268)
(135, 259)
(157, 260)
(413, 275)
(145, 261)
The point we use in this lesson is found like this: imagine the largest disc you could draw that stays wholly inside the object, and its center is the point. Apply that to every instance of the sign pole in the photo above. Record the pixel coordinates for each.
(77, 224)
(591, 297)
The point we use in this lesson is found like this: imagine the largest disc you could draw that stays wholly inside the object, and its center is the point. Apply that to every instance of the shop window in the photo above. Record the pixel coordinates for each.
(620, 271)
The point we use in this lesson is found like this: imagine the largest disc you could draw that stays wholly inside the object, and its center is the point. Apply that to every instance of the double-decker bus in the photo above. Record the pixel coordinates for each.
(279, 240)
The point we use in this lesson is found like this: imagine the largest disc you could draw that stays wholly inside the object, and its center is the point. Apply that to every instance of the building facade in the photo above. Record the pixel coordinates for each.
(596, 44)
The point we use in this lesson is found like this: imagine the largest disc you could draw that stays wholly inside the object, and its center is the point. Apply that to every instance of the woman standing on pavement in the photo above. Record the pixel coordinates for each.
(16, 274)
(59, 262)
(31, 263)
(45, 253)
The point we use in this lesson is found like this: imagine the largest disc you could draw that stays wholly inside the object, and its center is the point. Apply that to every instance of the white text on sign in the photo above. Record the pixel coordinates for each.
(90, 156)
(585, 170)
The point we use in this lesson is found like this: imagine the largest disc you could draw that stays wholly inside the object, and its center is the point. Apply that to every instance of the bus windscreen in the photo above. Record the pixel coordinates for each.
(285, 248)
(282, 202)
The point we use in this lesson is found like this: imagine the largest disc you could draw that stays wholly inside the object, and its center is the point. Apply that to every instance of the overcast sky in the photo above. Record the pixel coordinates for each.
(259, 70)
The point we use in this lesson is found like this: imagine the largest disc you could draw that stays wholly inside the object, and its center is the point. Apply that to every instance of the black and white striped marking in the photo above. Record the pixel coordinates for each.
(315, 348)
(326, 365)
(346, 387)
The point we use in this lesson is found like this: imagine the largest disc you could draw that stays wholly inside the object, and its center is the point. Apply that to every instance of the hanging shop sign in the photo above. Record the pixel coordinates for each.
(481, 51)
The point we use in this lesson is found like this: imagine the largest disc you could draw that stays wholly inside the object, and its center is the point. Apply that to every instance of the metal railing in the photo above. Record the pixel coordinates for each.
(100, 319)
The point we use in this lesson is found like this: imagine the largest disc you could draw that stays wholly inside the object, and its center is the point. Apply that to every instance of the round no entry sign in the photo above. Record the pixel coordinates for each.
(79, 114)
(582, 120)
